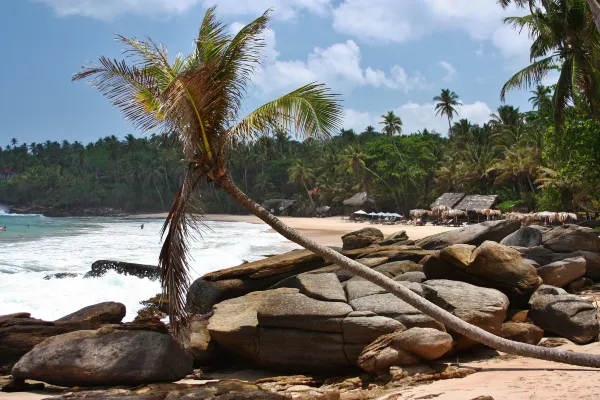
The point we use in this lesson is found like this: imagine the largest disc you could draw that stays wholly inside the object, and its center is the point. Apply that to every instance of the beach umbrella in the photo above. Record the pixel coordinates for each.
(417, 213)
(372, 214)
(438, 210)
(360, 212)
(380, 214)
(396, 215)
(547, 216)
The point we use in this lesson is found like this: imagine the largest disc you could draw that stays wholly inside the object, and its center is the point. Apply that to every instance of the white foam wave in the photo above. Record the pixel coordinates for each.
(26, 262)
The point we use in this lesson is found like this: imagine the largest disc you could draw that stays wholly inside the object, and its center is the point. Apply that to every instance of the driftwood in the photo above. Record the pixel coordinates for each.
(101, 267)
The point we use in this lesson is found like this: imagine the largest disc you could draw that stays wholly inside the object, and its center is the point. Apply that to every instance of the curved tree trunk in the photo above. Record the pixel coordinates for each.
(309, 196)
(450, 321)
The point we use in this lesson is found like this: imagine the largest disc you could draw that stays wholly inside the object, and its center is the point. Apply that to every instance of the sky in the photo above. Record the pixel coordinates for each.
(379, 55)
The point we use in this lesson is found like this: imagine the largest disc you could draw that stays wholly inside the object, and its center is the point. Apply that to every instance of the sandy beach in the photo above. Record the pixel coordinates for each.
(327, 231)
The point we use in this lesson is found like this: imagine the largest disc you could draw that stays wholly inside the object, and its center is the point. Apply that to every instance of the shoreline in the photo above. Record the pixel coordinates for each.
(326, 231)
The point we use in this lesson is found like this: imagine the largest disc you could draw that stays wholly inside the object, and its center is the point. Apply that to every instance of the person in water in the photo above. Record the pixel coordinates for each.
(142, 227)
(2, 228)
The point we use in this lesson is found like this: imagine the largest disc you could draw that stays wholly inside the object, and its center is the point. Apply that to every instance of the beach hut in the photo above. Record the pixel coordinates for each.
(476, 203)
(418, 213)
(279, 206)
(447, 200)
(323, 211)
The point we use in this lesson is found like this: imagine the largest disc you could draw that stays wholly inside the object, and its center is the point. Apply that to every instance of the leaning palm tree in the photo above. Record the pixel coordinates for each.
(392, 124)
(447, 100)
(199, 97)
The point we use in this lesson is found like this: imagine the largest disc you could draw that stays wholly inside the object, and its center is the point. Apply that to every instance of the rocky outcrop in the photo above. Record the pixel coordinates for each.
(567, 238)
(406, 347)
(399, 237)
(561, 273)
(362, 238)
(472, 234)
(101, 267)
(524, 237)
(567, 315)
(544, 256)
(490, 265)
(105, 357)
(19, 333)
(102, 313)
(201, 346)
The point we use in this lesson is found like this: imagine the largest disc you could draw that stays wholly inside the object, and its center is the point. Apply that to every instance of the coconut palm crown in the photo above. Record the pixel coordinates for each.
(446, 103)
(198, 98)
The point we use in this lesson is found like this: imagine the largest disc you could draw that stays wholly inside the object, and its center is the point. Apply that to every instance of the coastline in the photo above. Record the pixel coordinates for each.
(326, 231)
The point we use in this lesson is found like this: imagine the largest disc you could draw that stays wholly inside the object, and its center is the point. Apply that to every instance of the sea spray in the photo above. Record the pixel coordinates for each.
(55, 245)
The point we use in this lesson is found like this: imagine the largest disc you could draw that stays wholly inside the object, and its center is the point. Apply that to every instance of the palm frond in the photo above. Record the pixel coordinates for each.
(563, 93)
(185, 215)
(528, 76)
(129, 88)
(212, 38)
(311, 110)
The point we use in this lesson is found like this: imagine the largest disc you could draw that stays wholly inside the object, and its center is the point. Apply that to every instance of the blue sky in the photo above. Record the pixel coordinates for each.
(379, 55)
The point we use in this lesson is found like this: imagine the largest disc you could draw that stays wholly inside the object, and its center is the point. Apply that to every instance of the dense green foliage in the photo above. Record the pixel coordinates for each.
(518, 156)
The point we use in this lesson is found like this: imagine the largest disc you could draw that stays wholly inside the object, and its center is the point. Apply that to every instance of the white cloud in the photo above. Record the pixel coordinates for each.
(450, 70)
(339, 65)
(416, 117)
(108, 9)
(479, 51)
(389, 21)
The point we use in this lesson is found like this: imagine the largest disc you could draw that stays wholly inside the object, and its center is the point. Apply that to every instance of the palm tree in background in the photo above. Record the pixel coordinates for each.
(540, 98)
(565, 38)
(392, 124)
(447, 101)
(199, 98)
(14, 142)
(302, 175)
(370, 129)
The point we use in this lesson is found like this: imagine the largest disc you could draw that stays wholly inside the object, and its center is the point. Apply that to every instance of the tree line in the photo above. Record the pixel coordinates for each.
(520, 156)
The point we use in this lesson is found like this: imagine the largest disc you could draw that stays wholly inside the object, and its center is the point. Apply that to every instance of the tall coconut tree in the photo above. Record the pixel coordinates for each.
(446, 103)
(565, 38)
(199, 97)
(302, 175)
(540, 97)
(392, 124)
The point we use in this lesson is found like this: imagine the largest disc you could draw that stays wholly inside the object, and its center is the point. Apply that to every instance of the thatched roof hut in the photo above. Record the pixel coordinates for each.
(359, 200)
(449, 200)
(278, 204)
(477, 202)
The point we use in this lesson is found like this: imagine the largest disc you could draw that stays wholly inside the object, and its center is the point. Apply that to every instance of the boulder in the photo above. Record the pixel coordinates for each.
(567, 315)
(359, 287)
(524, 237)
(394, 238)
(403, 348)
(19, 333)
(363, 327)
(361, 238)
(201, 346)
(544, 256)
(395, 268)
(504, 269)
(490, 265)
(471, 234)
(561, 273)
(414, 276)
(102, 313)
(567, 238)
(522, 332)
(482, 307)
(321, 286)
(234, 324)
(105, 357)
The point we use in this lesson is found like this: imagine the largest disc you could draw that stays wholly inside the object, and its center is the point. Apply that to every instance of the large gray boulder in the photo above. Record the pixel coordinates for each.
(524, 237)
(105, 357)
(324, 286)
(522, 332)
(472, 234)
(105, 313)
(406, 347)
(490, 265)
(201, 346)
(482, 307)
(561, 273)
(544, 256)
(567, 315)
(567, 238)
(361, 238)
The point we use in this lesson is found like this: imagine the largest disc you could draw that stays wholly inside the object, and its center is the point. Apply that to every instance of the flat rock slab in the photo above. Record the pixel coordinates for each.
(396, 268)
(295, 310)
(472, 234)
(361, 238)
(363, 329)
(105, 313)
(566, 238)
(325, 286)
(105, 357)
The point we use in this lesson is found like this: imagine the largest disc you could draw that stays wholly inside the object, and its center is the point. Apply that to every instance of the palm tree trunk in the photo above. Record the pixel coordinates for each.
(450, 321)
(595, 9)
(159, 195)
(309, 196)
(386, 184)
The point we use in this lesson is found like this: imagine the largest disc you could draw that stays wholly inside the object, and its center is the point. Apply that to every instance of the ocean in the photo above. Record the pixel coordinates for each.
(35, 246)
